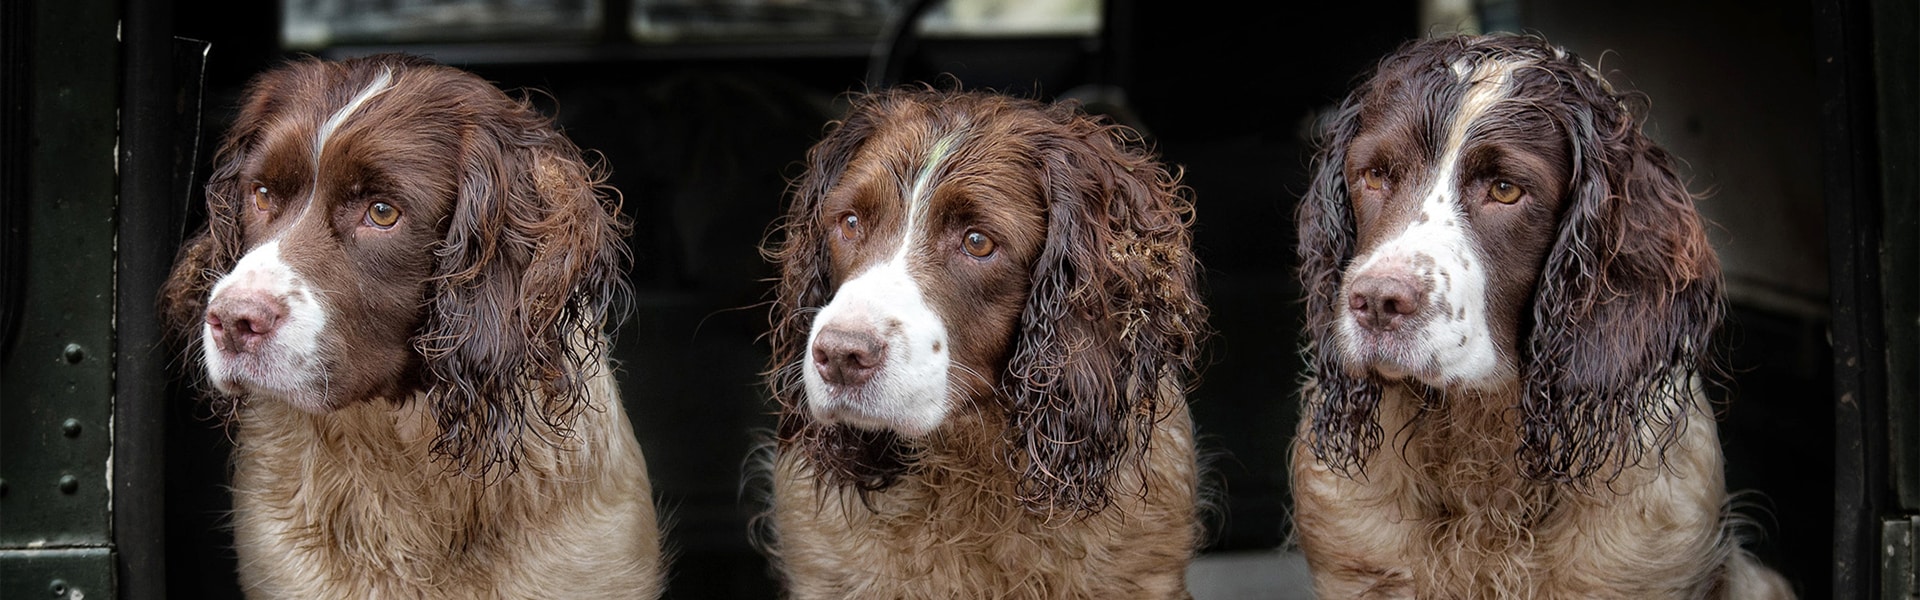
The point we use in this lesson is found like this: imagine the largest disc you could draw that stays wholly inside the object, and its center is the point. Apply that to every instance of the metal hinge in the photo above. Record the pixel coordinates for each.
(1899, 563)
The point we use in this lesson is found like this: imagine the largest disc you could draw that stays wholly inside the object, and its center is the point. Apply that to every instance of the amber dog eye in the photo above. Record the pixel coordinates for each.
(383, 215)
(262, 199)
(1374, 179)
(850, 226)
(978, 244)
(1505, 192)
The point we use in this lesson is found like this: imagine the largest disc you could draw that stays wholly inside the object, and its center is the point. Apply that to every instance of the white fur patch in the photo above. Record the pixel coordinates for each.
(909, 392)
(1453, 343)
(287, 365)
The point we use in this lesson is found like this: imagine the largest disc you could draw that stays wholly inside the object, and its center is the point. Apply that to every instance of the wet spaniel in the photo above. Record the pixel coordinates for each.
(984, 330)
(398, 305)
(1509, 305)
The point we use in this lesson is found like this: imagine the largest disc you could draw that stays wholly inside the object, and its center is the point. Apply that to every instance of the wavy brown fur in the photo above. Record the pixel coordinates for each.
(533, 256)
(1590, 476)
(1078, 457)
(355, 504)
(1629, 297)
(490, 454)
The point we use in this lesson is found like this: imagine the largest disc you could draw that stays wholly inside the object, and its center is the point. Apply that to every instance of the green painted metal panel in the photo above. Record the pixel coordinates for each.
(56, 387)
(65, 574)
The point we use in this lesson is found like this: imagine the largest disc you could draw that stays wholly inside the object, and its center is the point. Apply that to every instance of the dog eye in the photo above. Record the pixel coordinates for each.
(850, 226)
(383, 215)
(262, 199)
(1505, 192)
(978, 244)
(1374, 179)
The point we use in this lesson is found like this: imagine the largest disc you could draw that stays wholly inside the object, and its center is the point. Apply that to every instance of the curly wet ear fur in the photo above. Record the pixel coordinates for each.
(1341, 407)
(1627, 303)
(1109, 334)
(865, 460)
(530, 271)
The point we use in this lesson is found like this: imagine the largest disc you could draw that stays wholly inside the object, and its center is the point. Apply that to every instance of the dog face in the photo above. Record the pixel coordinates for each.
(389, 228)
(1456, 179)
(932, 233)
(335, 206)
(1486, 216)
(964, 254)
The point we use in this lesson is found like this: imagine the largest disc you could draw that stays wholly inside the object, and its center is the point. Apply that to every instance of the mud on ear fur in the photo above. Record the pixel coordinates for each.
(530, 272)
(1626, 306)
(1340, 407)
(1109, 334)
(865, 460)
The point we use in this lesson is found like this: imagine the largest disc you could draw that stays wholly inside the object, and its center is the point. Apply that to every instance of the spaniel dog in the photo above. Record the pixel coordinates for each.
(398, 303)
(1509, 305)
(984, 330)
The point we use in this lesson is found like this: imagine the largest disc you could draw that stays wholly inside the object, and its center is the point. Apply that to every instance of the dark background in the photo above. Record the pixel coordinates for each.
(702, 142)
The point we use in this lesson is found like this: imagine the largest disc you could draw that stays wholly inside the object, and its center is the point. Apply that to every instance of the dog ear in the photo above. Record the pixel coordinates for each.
(1626, 305)
(531, 269)
(1110, 331)
(1340, 407)
(866, 460)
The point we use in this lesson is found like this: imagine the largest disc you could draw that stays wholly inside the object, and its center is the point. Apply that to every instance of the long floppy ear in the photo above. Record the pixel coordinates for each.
(531, 269)
(212, 251)
(1626, 306)
(1340, 407)
(866, 460)
(1109, 335)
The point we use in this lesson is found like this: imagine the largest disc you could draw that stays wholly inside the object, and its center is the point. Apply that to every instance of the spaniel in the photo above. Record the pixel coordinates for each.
(984, 330)
(1509, 306)
(397, 304)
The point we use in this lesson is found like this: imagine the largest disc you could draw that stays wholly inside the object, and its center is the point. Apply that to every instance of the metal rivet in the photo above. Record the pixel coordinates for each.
(71, 427)
(69, 484)
(58, 587)
(75, 354)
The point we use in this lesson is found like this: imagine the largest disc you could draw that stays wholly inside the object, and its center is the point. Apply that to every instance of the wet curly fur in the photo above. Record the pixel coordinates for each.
(1071, 468)
(485, 449)
(1597, 472)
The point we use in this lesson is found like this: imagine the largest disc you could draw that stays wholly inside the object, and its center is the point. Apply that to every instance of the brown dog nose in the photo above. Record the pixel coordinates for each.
(243, 321)
(848, 357)
(1383, 302)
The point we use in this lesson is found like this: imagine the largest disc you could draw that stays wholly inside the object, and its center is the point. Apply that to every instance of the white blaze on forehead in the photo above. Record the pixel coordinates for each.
(380, 84)
(918, 195)
(1486, 84)
(1453, 343)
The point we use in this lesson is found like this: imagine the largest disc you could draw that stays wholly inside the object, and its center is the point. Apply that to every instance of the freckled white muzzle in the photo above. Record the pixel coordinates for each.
(1416, 304)
(262, 333)
(877, 356)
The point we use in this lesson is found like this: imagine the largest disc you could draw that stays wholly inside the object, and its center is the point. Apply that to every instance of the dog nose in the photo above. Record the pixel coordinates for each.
(242, 321)
(848, 357)
(1383, 302)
